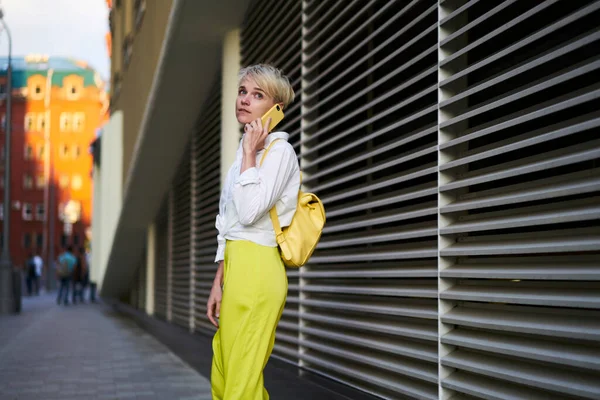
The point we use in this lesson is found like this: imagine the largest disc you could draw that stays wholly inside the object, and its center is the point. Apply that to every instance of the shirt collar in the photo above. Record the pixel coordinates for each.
(276, 135)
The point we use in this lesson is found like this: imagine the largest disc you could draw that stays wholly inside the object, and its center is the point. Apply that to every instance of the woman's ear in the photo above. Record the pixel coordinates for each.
(281, 105)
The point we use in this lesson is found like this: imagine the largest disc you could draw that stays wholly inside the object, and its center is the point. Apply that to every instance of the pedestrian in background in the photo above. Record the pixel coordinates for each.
(66, 265)
(31, 277)
(79, 276)
(39, 267)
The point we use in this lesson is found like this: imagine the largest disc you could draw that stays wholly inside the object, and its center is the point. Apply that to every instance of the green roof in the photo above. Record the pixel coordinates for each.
(23, 68)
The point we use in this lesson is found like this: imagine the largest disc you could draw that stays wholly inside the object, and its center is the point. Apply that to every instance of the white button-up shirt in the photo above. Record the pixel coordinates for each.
(247, 198)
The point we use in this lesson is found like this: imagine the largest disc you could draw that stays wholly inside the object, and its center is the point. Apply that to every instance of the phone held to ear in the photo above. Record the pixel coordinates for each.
(276, 115)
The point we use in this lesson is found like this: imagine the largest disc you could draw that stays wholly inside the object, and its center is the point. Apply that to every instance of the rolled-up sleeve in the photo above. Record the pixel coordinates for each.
(257, 189)
(220, 256)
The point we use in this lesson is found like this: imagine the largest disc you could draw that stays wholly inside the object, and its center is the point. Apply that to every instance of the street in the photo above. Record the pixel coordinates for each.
(87, 351)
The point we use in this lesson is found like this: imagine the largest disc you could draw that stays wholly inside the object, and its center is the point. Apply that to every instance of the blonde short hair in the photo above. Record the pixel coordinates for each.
(271, 80)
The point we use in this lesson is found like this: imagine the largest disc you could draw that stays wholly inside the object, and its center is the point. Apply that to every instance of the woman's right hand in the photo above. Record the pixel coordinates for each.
(213, 306)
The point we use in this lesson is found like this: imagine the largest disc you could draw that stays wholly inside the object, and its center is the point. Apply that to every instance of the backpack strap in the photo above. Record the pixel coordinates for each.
(273, 211)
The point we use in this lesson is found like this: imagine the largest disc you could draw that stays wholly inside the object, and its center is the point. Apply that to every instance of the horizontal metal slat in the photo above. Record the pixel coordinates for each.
(503, 28)
(559, 353)
(401, 253)
(473, 23)
(562, 381)
(410, 193)
(365, 306)
(514, 72)
(403, 348)
(380, 238)
(493, 389)
(405, 386)
(329, 33)
(396, 270)
(539, 111)
(555, 325)
(374, 290)
(403, 176)
(362, 140)
(250, 33)
(577, 297)
(553, 187)
(318, 17)
(322, 88)
(526, 217)
(567, 128)
(521, 270)
(522, 43)
(415, 330)
(381, 218)
(523, 92)
(554, 162)
(414, 369)
(347, 38)
(524, 246)
(369, 154)
(402, 159)
(313, 149)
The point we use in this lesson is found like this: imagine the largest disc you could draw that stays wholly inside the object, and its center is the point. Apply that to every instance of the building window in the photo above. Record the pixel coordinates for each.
(29, 122)
(27, 211)
(3, 122)
(64, 151)
(75, 239)
(73, 91)
(28, 154)
(63, 240)
(76, 151)
(37, 91)
(78, 121)
(41, 152)
(40, 181)
(63, 181)
(27, 240)
(40, 212)
(65, 122)
(76, 182)
(41, 122)
(1, 211)
(39, 240)
(27, 181)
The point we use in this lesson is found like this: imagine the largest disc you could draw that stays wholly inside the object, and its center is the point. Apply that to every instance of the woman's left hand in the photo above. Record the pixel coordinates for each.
(256, 133)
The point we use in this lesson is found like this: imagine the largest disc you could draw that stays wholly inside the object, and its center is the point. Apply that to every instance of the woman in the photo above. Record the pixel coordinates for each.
(250, 286)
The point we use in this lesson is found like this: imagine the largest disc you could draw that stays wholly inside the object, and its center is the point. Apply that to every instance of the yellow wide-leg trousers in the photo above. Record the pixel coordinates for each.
(254, 291)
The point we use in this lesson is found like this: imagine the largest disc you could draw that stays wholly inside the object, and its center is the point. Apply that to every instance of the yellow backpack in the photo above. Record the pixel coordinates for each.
(298, 241)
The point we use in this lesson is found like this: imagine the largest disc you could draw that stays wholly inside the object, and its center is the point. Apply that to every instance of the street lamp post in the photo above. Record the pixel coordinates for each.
(7, 298)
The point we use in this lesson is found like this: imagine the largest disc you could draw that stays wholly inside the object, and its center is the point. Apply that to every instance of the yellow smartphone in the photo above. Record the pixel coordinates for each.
(276, 115)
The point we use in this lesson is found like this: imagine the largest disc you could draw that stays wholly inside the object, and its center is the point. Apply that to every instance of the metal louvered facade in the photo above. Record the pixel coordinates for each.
(277, 40)
(181, 300)
(206, 189)
(161, 263)
(369, 308)
(519, 199)
(456, 147)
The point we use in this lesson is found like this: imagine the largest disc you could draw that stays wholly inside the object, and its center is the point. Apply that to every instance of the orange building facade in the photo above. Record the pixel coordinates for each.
(58, 105)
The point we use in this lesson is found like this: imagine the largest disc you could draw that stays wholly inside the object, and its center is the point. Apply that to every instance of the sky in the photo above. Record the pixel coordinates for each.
(67, 28)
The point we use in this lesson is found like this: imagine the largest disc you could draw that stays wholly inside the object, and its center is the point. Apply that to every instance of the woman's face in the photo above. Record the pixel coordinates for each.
(252, 102)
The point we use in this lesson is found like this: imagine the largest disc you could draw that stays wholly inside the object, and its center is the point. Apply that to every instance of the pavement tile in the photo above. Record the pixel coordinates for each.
(88, 352)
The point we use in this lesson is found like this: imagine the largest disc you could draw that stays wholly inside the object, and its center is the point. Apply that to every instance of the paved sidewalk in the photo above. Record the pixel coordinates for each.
(88, 351)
